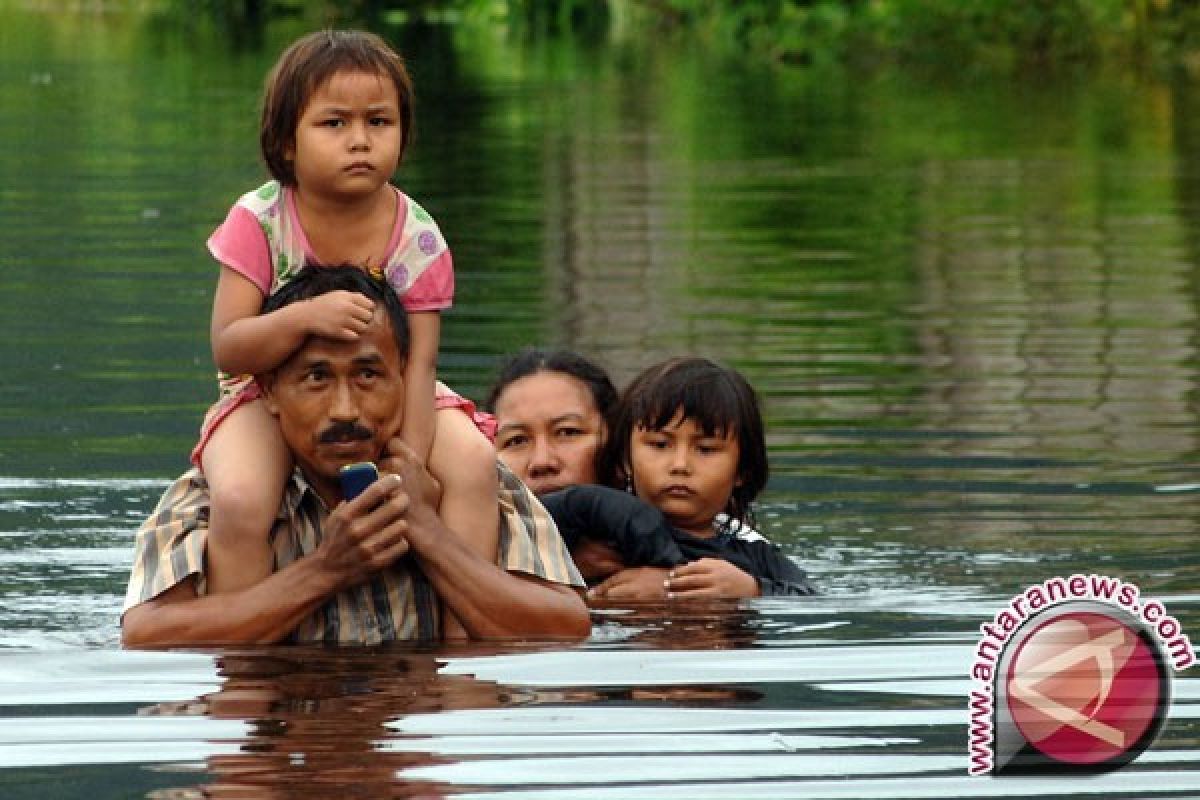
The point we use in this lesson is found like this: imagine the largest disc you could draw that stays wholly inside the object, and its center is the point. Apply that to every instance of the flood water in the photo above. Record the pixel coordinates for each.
(969, 302)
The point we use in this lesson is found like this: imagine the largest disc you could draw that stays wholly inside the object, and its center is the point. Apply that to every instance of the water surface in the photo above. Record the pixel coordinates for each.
(969, 303)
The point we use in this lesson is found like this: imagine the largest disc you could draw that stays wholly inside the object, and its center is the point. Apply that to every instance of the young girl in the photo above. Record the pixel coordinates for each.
(337, 116)
(687, 439)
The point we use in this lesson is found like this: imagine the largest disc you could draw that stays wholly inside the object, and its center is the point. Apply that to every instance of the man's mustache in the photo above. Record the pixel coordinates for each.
(344, 432)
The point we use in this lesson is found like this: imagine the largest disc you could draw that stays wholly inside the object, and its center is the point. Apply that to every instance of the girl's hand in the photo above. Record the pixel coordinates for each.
(636, 584)
(709, 577)
(340, 315)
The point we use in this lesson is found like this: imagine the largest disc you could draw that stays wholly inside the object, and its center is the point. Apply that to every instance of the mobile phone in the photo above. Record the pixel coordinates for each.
(356, 477)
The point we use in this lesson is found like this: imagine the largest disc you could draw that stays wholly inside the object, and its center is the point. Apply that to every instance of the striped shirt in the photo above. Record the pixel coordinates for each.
(395, 604)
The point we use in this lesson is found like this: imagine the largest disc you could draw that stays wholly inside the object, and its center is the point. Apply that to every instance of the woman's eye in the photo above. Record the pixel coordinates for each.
(381, 122)
(568, 433)
(332, 122)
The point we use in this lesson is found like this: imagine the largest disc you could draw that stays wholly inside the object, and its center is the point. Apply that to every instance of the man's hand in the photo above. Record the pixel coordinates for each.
(422, 491)
(596, 560)
(366, 534)
(709, 577)
(634, 585)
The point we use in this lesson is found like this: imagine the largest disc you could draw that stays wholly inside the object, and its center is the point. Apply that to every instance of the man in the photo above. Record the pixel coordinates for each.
(369, 570)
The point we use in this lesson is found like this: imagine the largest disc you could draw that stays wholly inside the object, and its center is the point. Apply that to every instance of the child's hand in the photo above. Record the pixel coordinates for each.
(340, 315)
(709, 577)
(635, 584)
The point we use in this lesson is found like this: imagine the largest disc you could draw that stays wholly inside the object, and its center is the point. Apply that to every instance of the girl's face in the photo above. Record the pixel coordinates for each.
(347, 141)
(548, 430)
(685, 474)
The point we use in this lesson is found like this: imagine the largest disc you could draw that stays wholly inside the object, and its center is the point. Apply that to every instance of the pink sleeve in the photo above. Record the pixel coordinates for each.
(240, 244)
(433, 290)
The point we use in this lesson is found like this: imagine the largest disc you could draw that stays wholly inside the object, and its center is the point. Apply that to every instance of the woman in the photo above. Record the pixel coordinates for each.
(551, 412)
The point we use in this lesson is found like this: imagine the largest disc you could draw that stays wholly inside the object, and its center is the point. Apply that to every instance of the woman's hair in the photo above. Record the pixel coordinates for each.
(531, 361)
(305, 65)
(716, 398)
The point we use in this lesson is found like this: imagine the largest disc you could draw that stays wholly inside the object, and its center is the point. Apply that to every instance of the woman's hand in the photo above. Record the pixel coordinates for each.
(635, 585)
(709, 577)
(596, 560)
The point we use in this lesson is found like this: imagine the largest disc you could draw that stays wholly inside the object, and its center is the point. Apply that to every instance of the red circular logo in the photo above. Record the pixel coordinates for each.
(1085, 688)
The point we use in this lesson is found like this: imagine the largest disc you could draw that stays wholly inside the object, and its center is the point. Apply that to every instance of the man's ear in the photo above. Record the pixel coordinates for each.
(267, 384)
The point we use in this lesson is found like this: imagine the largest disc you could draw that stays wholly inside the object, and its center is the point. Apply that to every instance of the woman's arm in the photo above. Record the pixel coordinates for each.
(424, 328)
(633, 528)
(246, 342)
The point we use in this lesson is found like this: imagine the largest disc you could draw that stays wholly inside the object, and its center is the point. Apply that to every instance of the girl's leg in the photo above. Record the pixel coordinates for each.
(246, 464)
(464, 462)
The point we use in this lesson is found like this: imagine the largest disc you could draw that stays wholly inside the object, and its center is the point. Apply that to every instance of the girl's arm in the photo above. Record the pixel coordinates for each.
(247, 342)
(420, 373)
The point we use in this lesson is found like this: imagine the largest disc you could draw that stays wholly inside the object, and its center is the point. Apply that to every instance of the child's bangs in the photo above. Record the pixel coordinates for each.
(709, 400)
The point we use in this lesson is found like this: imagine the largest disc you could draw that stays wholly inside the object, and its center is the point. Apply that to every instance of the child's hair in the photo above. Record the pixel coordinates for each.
(305, 65)
(716, 398)
(531, 361)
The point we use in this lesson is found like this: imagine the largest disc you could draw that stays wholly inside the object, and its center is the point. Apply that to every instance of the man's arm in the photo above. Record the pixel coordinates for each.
(356, 544)
(490, 602)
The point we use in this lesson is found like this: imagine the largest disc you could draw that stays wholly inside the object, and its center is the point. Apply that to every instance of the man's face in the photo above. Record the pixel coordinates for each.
(339, 402)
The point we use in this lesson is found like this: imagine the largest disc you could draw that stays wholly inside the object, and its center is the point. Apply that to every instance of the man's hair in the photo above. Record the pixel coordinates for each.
(716, 398)
(531, 361)
(312, 282)
(305, 65)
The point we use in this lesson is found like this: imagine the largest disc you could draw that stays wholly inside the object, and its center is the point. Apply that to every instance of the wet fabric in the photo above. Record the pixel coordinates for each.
(642, 536)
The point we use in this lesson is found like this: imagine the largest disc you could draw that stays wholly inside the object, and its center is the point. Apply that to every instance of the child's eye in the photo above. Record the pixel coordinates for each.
(510, 442)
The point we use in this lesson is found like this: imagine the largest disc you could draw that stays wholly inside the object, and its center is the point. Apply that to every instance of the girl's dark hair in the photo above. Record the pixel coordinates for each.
(716, 398)
(531, 361)
(305, 65)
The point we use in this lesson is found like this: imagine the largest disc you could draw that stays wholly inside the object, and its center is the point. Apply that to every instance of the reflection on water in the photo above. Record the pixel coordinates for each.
(970, 310)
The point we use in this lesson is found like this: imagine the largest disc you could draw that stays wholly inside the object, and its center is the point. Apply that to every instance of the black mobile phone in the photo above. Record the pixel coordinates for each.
(356, 477)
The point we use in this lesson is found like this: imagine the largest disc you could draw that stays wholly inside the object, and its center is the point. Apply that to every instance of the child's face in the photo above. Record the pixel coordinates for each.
(348, 137)
(685, 474)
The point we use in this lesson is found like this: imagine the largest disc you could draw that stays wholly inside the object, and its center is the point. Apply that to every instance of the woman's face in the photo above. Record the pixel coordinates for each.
(548, 431)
